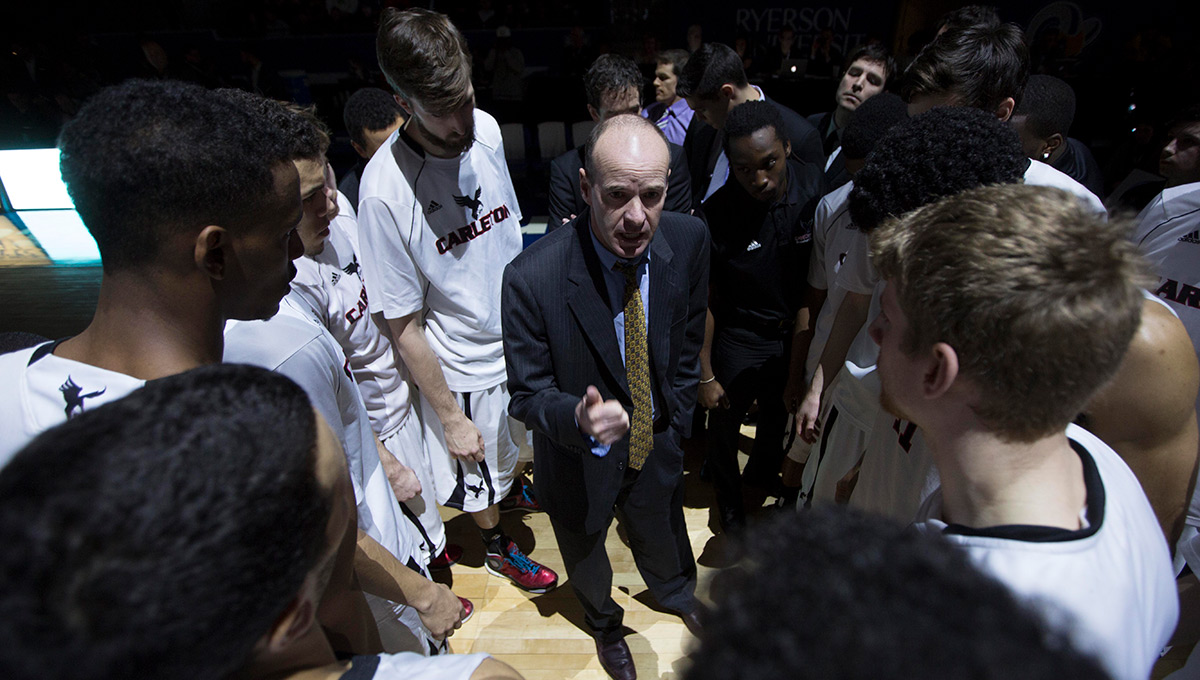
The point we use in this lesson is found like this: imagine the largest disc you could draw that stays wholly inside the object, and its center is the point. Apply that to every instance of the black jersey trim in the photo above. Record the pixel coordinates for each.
(1043, 534)
(362, 667)
(45, 349)
(459, 494)
(487, 479)
(416, 522)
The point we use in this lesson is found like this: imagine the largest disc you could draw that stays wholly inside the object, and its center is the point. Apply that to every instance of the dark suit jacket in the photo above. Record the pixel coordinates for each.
(566, 199)
(559, 338)
(703, 146)
(836, 175)
(820, 121)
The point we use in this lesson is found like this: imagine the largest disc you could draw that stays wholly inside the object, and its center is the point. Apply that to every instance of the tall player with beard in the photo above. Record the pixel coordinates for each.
(438, 222)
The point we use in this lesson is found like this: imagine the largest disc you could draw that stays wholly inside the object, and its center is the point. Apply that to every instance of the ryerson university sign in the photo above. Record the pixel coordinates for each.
(851, 23)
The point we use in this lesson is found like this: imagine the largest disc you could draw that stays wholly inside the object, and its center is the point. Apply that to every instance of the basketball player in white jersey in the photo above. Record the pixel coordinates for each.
(983, 67)
(411, 611)
(329, 281)
(1144, 413)
(225, 469)
(438, 222)
(1004, 309)
(193, 202)
(986, 151)
(834, 237)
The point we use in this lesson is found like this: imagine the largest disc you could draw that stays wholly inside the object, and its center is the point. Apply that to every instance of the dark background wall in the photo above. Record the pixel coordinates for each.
(1130, 63)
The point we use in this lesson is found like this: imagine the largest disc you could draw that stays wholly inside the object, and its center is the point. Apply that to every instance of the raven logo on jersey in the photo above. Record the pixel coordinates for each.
(352, 268)
(473, 230)
(1174, 291)
(473, 203)
(74, 396)
(433, 207)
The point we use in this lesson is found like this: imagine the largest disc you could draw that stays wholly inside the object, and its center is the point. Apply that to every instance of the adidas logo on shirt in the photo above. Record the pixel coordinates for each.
(754, 245)
(434, 206)
(1193, 237)
(334, 278)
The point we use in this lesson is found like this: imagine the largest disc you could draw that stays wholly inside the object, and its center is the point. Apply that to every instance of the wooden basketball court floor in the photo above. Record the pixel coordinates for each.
(543, 636)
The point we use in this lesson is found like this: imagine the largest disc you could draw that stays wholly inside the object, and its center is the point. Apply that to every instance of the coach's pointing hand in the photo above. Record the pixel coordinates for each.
(604, 421)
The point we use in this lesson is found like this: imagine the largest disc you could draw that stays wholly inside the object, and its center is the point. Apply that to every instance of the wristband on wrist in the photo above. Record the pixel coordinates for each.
(705, 382)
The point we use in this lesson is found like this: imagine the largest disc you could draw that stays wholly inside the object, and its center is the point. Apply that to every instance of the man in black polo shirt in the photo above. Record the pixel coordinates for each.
(761, 229)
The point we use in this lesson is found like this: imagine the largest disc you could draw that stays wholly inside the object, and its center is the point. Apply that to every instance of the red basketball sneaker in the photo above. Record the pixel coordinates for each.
(513, 565)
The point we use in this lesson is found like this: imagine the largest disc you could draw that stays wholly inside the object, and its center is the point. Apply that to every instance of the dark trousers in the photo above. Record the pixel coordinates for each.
(750, 367)
(653, 520)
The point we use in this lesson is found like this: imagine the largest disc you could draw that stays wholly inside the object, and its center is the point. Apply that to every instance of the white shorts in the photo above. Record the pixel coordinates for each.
(839, 445)
(407, 444)
(401, 630)
(467, 485)
(897, 471)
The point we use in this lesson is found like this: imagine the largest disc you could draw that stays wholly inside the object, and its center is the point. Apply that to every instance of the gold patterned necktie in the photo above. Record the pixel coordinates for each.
(637, 369)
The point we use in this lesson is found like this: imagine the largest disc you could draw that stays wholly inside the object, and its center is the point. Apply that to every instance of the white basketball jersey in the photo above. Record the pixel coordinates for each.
(435, 236)
(1168, 235)
(1042, 175)
(834, 239)
(43, 390)
(897, 471)
(294, 344)
(1109, 586)
(331, 286)
(410, 666)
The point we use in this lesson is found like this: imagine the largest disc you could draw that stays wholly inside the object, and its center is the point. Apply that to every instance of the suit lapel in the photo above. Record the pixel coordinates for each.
(588, 301)
(664, 292)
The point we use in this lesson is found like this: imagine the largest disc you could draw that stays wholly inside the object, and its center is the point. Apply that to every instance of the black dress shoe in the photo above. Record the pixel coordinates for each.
(616, 659)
